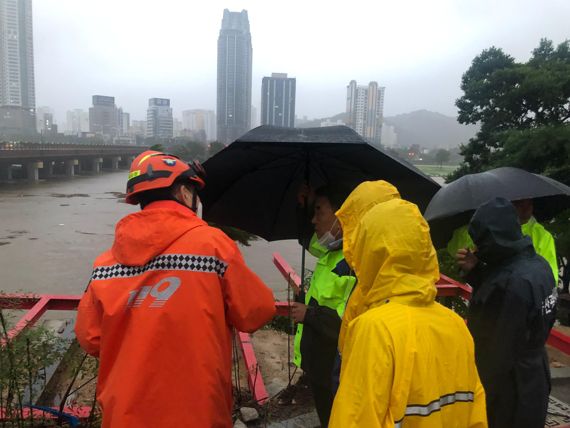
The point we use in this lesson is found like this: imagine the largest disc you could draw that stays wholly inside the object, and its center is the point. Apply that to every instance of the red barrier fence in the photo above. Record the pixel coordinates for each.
(37, 305)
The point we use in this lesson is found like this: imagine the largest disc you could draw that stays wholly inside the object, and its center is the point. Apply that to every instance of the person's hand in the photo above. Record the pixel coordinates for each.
(466, 260)
(298, 311)
(305, 194)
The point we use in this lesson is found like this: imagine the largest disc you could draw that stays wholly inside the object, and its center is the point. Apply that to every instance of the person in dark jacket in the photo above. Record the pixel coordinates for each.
(510, 316)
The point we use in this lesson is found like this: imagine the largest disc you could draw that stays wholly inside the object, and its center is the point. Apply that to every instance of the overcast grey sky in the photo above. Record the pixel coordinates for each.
(138, 49)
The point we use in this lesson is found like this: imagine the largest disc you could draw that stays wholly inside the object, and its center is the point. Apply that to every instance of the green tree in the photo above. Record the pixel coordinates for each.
(442, 156)
(524, 112)
(188, 150)
(215, 147)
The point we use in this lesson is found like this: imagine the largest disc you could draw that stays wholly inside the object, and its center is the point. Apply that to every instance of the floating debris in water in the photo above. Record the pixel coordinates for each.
(70, 195)
(86, 233)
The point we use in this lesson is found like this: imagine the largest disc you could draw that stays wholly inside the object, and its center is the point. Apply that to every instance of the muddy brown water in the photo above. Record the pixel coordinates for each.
(51, 232)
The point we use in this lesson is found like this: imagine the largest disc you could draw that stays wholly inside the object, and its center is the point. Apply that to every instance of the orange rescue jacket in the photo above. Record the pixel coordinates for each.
(159, 312)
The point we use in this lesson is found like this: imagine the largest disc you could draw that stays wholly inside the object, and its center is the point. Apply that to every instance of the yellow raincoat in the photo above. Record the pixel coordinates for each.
(365, 196)
(407, 360)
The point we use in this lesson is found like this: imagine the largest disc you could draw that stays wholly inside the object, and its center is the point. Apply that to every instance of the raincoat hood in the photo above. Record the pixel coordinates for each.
(393, 256)
(361, 199)
(146, 231)
(496, 232)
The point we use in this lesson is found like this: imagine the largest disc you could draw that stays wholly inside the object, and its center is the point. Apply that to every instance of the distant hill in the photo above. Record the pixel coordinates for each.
(425, 128)
(430, 129)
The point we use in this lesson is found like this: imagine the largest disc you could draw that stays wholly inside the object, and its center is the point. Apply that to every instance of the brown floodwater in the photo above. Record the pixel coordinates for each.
(51, 232)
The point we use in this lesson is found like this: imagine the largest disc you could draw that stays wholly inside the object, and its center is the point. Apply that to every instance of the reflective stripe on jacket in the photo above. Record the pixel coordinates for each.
(159, 313)
(542, 241)
(406, 359)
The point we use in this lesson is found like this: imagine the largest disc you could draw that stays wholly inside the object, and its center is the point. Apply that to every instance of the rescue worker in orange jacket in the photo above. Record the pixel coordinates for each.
(161, 305)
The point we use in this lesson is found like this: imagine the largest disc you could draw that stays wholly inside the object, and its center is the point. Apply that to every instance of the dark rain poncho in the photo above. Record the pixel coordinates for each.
(510, 317)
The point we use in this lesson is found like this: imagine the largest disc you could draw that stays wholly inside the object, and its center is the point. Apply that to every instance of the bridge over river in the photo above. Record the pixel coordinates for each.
(34, 161)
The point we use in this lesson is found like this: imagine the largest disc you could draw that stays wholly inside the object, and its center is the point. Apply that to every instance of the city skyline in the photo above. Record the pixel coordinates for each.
(17, 84)
(419, 51)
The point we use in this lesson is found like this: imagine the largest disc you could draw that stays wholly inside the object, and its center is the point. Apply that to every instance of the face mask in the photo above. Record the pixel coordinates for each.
(328, 237)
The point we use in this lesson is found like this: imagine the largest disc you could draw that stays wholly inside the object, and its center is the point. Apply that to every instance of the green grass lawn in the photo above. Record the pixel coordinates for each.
(436, 170)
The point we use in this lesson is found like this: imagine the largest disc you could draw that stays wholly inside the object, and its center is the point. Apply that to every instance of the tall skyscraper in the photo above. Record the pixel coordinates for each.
(200, 120)
(365, 110)
(17, 88)
(159, 123)
(103, 119)
(123, 122)
(234, 77)
(278, 100)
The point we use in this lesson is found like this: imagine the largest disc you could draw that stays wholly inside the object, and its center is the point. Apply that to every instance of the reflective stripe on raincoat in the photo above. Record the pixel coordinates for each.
(542, 241)
(365, 196)
(407, 360)
(159, 313)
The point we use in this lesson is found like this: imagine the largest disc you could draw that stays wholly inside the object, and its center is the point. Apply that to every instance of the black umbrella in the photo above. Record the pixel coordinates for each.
(253, 183)
(454, 204)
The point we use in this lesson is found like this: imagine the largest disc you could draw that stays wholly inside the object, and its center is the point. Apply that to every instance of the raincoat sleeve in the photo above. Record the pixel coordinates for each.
(88, 324)
(544, 245)
(366, 377)
(249, 302)
(460, 239)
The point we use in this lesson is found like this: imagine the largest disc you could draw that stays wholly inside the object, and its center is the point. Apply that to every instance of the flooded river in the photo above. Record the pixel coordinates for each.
(51, 232)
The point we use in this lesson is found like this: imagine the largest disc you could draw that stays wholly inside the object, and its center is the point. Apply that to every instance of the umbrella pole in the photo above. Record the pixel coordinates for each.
(301, 297)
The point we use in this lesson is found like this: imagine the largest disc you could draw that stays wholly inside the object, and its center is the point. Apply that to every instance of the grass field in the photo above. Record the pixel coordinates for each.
(436, 170)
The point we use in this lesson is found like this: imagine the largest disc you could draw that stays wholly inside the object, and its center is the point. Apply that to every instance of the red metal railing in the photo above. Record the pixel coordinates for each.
(37, 305)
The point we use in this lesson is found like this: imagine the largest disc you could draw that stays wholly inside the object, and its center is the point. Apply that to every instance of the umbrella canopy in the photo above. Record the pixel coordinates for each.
(454, 204)
(253, 183)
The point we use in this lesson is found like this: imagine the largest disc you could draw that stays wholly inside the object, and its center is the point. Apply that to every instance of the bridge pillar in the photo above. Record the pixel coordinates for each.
(6, 172)
(96, 165)
(70, 167)
(48, 169)
(33, 171)
(115, 163)
(127, 161)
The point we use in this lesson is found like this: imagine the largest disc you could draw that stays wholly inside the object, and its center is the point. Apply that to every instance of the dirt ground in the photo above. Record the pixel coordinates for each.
(272, 356)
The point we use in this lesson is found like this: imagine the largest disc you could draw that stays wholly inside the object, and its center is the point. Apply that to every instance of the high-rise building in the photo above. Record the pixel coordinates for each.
(234, 77)
(17, 88)
(177, 127)
(41, 111)
(365, 110)
(159, 123)
(254, 119)
(138, 128)
(200, 120)
(123, 122)
(103, 119)
(278, 100)
(77, 122)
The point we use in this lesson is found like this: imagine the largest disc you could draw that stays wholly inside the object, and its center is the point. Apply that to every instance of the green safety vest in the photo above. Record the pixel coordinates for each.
(541, 239)
(326, 287)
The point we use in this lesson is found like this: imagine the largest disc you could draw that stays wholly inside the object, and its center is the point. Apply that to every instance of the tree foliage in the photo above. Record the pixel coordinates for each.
(442, 156)
(524, 112)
